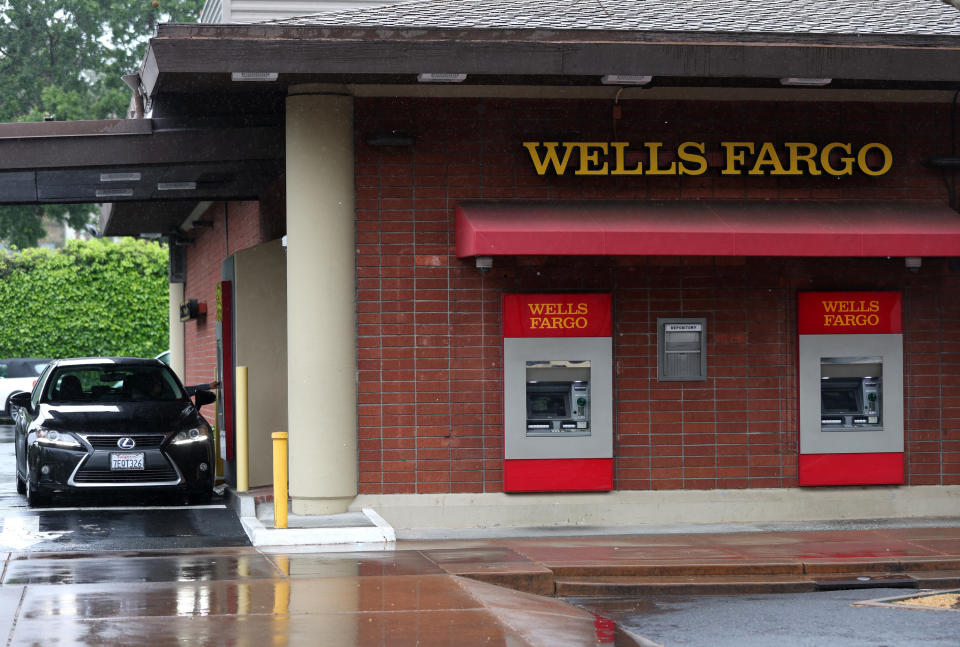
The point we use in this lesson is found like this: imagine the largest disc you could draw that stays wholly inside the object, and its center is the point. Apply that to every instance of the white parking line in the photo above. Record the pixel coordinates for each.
(35, 511)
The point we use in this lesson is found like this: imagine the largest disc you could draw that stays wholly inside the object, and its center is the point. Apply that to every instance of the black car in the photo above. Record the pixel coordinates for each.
(92, 424)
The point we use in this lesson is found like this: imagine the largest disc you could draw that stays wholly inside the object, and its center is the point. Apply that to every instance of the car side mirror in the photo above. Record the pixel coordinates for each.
(202, 397)
(21, 399)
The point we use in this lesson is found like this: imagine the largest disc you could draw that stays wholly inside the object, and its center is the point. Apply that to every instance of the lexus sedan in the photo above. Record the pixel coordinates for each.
(93, 424)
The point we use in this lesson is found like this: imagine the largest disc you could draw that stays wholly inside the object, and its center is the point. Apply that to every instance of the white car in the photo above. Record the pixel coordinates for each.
(18, 374)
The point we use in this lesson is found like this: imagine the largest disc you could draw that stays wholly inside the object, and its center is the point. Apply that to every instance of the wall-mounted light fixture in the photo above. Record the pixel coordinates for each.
(808, 82)
(625, 79)
(913, 263)
(254, 76)
(440, 77)
(484, 263)
(945, 161)
(192, 309)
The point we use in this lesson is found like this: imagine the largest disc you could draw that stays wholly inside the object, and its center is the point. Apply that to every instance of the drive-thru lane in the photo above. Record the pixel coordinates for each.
(100, 522)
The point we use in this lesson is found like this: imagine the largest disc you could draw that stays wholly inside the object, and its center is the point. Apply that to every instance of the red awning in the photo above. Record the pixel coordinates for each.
(692, 228)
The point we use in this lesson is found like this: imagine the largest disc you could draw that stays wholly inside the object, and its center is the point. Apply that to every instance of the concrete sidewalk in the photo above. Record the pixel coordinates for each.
(452, 593)
(638, 560)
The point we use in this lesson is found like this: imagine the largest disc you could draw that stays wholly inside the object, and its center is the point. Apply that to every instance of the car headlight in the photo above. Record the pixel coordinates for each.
(194, 435)
(54, 438)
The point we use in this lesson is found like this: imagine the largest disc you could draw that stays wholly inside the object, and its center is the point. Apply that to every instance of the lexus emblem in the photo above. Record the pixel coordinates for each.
(126, 443)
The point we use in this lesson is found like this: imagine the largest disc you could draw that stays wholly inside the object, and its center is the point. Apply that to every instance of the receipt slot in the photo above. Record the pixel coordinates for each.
(851, 388)
(558, 392)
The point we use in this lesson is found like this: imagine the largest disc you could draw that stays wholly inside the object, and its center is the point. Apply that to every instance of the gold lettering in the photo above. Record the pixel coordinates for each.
(536, 308)
(551, 159)
(734, 157)
(767, 157)
(846, 169)
(620, 162)
(695, 158)
(654, 148)
(885, 153)
(796, 157)
(590, 158)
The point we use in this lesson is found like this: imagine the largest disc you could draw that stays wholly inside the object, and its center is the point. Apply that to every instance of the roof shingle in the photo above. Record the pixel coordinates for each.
(850, 17)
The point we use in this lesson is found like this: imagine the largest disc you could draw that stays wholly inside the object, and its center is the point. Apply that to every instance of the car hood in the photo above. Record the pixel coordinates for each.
(119, 417)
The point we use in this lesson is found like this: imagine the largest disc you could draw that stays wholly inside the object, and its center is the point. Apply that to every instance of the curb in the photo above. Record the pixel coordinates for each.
(379, 533)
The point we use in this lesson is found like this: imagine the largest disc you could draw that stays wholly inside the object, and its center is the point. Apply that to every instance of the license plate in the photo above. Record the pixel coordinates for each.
(126, 461)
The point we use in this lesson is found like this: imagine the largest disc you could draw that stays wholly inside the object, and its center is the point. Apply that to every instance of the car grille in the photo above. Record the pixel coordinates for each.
(151, 475)
(109, 441)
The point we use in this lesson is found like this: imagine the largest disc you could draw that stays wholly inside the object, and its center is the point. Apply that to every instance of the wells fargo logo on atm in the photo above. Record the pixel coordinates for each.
(556, 315)
(839, 313)
(691, 158)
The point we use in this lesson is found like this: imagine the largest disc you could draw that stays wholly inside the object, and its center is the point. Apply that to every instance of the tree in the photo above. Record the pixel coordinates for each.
(63, 60)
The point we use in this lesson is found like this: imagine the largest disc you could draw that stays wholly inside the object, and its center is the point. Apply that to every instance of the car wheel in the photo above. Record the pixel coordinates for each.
(34, 498)
(21, 485)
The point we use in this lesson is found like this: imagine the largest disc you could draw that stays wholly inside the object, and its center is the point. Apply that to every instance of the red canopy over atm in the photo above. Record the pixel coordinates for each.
(694, 228)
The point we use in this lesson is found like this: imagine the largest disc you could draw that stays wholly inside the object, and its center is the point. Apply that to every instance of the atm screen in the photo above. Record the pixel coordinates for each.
(547, 405)
(840, 400)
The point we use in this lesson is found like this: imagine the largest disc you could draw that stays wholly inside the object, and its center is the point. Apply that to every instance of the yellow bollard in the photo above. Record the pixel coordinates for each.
(242, 448)
(280, 478)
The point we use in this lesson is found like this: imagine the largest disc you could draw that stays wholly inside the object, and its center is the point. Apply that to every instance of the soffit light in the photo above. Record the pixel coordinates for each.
(254, 76)
(114, 193)
(176, 186)
(625, 79)
(440, 77)
(805, 81)
(120, 177)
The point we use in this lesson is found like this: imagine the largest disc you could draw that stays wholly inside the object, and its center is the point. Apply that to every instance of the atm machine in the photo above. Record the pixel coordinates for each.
(850, 352)
(558, 395)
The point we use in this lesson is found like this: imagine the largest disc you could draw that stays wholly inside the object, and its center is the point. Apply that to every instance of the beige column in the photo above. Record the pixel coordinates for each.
(321, 308)
(175, 343)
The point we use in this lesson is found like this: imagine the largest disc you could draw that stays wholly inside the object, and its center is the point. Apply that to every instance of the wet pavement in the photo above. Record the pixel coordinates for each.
(478, 592)
(244, 597)
(114, 521)
(108, 572)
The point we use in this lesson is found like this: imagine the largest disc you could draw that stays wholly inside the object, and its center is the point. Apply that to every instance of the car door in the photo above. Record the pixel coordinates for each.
(22, 423)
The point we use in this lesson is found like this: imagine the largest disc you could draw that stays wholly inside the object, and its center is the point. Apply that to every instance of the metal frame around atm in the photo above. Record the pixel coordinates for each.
(517, 352)
(888, 439)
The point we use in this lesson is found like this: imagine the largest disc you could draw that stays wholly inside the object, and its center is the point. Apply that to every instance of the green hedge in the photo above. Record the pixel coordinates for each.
(92, 297)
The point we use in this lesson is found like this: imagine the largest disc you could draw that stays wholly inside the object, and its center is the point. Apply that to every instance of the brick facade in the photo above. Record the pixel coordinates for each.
(231, 227)
(430, 399)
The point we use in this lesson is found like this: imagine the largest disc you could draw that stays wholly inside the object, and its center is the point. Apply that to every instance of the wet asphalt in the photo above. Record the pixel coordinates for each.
(96, 522)
(821, 619)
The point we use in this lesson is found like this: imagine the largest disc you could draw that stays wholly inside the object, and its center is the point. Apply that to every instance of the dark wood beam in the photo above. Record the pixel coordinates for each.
(217, 50)
(135, 142)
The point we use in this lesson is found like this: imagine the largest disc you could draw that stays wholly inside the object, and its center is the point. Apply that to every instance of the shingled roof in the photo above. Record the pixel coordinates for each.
(852, 17)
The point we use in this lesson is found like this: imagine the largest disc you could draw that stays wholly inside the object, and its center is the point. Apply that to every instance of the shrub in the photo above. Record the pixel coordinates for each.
(96, 298)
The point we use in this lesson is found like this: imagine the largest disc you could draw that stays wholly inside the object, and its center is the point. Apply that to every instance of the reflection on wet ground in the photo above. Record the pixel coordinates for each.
(243, 597)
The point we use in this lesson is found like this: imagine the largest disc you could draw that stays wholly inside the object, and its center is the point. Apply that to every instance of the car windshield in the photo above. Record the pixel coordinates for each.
(111, 383)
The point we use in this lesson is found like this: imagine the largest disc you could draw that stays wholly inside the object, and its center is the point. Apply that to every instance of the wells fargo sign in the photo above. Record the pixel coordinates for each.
(557, 315)
(691, 158)
(832, 313)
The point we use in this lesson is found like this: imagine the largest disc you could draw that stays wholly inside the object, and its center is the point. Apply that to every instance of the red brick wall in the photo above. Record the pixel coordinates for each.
(235, 226)
(429, 324)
